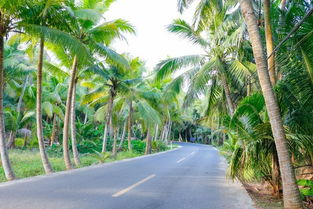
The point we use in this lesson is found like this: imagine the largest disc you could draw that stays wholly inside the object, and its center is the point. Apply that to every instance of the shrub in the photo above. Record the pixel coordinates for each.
(158, 146)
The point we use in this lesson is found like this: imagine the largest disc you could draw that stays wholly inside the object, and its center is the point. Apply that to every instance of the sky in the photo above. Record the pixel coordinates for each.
(152, 42)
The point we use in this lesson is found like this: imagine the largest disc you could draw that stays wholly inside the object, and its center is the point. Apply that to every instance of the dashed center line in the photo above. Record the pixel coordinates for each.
(120, 193)
(184, 158)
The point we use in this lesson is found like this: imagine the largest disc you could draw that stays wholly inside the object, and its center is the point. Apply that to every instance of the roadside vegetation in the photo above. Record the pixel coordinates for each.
(26, 162)
(69, 99)
(252, 86)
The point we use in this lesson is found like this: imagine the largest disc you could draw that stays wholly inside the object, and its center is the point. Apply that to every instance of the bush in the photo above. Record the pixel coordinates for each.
(55, 150)
(138, 146)
(158, 146)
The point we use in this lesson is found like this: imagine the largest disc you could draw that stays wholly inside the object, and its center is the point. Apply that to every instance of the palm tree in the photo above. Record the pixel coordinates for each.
(112, 81)
(86, 28)
(8, 15)
(50, 16)
(221, 67)
(251, 149)
(290, 189)
(269, 41)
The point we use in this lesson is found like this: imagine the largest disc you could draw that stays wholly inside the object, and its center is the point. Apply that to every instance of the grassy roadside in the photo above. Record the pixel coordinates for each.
(27, 163)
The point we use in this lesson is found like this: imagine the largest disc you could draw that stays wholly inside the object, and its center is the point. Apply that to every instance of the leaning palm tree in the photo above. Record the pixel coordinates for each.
(87, 27)
(9, 13)
(290, 189)
(50, 20)
(221, 67)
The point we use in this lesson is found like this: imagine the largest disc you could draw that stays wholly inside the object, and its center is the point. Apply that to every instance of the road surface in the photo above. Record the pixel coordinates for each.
(191, 177)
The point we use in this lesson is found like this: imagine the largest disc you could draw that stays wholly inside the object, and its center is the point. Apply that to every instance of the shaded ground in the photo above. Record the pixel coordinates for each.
(262, 197)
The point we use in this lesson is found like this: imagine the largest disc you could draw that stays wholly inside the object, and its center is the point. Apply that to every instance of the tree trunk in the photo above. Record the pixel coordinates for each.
(43, 154)
(130, 126)
(73, 128)
(20, 100)
(123, 136)
(164, 131)
(156, 134)
(230, 103)
(54, 130)
(168, 131)
(249, 87)
(107, 125)
(11, 141)
(283, 5)
(86, 118)
(291, 192)
(115, 133)
(148, 143)
(282, 23)
(6, 164)
(269, 41)
(180, 138)
(105, 134)
(66, 154)
(275, 174)
(111, 129)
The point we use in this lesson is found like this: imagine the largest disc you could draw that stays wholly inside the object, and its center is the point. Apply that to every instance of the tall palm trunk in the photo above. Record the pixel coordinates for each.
(108, 122)
(73, 128)
(249, 88)
(11, 141)
(66, 154)
(291, 193)
(43, 154)
(20, 99)
(275, 174)
(130, 126)
(168, 132)
(164, 131)
(283, 5)
(114, 150)
(269, 41)
(156, 134)
(123, 135)
(54, 130)
(282, 23)
(148, 143)
(104, 140)
(86, 118)
(6, 164)
(230, 103)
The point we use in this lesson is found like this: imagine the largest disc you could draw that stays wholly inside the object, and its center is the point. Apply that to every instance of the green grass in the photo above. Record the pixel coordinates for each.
(27, 163)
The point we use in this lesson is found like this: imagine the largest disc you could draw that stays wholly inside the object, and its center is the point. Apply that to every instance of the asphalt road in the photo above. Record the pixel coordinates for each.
(192, 177)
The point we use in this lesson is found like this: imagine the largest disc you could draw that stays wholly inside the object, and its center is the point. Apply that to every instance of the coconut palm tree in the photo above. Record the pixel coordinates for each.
(9, 14)
(87, 27)
(290, 189)
(50, 19)
(221, 68)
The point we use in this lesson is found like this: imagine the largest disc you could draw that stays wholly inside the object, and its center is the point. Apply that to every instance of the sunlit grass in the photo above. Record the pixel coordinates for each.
(27, 163)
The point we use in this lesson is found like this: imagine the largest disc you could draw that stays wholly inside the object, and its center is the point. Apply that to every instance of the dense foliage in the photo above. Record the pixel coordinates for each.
(58, 71)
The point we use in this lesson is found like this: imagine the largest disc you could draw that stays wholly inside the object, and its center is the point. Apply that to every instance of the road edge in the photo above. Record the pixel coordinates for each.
(76, 170)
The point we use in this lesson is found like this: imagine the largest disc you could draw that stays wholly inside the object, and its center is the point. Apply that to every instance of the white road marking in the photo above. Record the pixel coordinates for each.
(184, 158)
(120, 193)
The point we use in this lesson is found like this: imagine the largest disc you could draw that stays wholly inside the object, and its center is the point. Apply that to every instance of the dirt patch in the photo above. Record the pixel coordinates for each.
(262, 196)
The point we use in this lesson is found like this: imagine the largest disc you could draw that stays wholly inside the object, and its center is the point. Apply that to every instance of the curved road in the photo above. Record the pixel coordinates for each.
(191, 177)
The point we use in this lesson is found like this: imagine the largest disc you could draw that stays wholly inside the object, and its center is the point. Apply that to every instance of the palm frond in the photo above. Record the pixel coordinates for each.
(169, 66)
